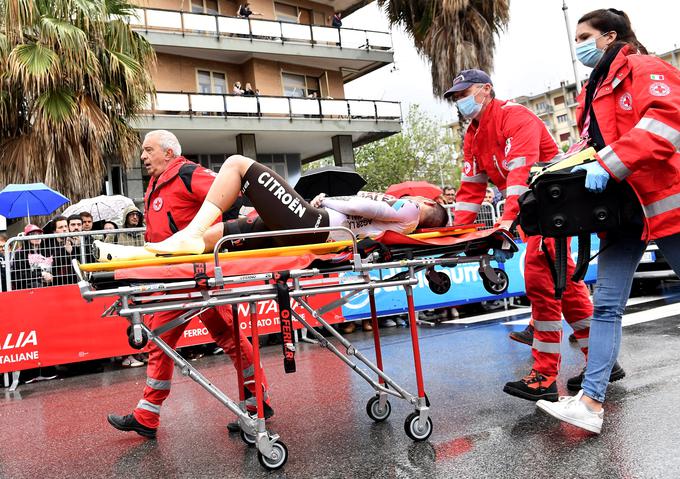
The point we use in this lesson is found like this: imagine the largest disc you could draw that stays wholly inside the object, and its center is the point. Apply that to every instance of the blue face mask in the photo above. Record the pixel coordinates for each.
(588, 53)
(469, 107)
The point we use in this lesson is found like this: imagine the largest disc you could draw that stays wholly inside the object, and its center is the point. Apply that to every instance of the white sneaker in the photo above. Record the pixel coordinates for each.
(574, 411)
(132, 362)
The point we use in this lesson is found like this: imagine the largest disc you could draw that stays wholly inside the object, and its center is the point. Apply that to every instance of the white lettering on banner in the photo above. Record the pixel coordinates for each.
(269, 307)
(19, 341)
(459, 274)
(19, 357)
(279, 192)
(191, 333)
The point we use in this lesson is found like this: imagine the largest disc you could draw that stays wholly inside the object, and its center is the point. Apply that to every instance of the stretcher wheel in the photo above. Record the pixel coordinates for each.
(131, 340)
(441, 284)
(496, 288)
(280, 456)
(374, 412)
(413, 428)
(247, 438)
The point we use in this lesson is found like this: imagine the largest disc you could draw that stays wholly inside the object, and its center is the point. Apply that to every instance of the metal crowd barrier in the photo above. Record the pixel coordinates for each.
(488, 214)
(41, 261)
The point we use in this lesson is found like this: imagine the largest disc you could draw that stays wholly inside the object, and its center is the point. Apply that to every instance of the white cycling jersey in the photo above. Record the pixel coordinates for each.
(367, 217)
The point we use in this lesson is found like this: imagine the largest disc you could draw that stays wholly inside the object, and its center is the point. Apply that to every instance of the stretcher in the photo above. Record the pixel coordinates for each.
(193, 283)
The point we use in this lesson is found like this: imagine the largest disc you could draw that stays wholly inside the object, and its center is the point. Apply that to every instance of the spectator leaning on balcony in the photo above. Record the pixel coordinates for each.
(133, 218)
(336, 20)
(249, 90)
(245, 11)
(32, 267)
(237, 90)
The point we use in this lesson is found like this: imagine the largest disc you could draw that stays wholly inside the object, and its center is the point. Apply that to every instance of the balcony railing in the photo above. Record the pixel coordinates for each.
(204, 104)
(265, 30)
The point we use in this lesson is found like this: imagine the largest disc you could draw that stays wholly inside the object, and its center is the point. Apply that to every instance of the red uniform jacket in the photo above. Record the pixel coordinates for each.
(502, 148)
(638, 111)
(173, 199)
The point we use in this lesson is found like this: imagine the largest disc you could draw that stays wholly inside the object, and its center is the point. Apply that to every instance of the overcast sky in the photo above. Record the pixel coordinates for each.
(532, 55)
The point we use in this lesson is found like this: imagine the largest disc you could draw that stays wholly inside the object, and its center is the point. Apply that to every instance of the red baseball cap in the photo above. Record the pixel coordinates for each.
(31, 229)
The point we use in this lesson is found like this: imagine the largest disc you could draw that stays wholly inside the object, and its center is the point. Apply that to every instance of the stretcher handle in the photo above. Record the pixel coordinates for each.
(301, 231)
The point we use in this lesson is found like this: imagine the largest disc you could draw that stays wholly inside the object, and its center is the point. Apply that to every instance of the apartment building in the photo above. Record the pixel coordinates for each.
(557, 107)
(296, 64)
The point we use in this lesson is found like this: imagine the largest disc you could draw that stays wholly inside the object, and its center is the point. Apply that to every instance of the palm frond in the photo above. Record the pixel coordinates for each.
(452, 35)
(72, 75)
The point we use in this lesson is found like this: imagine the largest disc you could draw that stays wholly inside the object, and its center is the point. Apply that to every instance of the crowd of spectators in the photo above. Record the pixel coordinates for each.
(40, 262)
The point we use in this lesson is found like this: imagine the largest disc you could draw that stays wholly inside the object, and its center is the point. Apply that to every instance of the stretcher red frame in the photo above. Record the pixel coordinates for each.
(172, 284)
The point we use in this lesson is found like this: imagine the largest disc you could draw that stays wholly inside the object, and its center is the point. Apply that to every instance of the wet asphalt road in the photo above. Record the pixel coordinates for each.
(59, 428)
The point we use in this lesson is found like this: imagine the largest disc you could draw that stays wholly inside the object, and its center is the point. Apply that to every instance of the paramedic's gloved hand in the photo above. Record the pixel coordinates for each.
(502, 256)
(596, 176)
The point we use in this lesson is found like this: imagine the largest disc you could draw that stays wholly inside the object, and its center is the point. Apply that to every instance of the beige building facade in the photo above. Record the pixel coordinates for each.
(293, 59)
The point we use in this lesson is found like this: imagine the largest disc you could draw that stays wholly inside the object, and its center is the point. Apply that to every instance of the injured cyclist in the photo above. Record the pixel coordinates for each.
(280, 207)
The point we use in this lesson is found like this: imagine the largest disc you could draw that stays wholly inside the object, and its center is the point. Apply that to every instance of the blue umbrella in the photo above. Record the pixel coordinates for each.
(17, 201)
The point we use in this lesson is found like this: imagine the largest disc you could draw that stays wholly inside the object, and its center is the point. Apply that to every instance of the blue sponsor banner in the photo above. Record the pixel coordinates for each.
(466, 286)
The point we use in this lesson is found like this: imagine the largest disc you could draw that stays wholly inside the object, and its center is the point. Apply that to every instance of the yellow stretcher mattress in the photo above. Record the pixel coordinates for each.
(315, 248)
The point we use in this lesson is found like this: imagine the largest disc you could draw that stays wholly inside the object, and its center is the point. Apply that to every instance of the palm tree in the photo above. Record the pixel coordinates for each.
(72, 77)
(453, 35)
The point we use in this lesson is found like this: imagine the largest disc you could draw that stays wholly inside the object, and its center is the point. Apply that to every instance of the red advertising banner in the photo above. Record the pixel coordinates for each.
(55, 325)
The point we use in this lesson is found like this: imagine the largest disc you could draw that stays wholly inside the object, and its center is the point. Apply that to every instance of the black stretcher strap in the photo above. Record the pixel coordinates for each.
(201, 276)
(583, 257)
(558, 267)
(367, 246)
(286, 320)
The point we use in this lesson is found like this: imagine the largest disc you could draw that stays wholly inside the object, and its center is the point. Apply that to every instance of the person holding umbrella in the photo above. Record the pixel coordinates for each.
(502, 142)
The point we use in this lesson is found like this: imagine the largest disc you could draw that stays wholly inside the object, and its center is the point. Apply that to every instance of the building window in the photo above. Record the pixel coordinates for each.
(562, 118)
(211, 82)
(300, 85)
(559, 100)
(276, 162)
(286, 13)
(542, 106)
(564, 137)
(204, 6)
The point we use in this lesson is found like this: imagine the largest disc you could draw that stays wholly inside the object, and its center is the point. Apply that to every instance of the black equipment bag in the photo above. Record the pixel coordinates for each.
(559, 206)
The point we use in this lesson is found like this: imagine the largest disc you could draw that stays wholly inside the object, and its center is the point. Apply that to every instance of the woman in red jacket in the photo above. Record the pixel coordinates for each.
(630, 113)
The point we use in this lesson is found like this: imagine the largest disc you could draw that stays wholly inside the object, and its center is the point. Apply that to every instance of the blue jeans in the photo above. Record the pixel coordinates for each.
(615, 269)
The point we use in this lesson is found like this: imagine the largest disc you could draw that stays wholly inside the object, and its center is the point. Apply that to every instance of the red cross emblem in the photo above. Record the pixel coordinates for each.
(626, 101)
(659, 89)
(157, 204)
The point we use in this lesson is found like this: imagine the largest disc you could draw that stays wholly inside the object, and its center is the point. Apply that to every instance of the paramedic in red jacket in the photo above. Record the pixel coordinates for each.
(175, 193)
(502, 142)
(630, 113)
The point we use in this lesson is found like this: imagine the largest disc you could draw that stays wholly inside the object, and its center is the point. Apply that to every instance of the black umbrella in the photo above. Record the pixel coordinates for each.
(332, 180)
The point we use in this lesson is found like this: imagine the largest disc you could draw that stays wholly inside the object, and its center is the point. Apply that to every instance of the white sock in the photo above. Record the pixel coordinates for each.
(204, 219)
